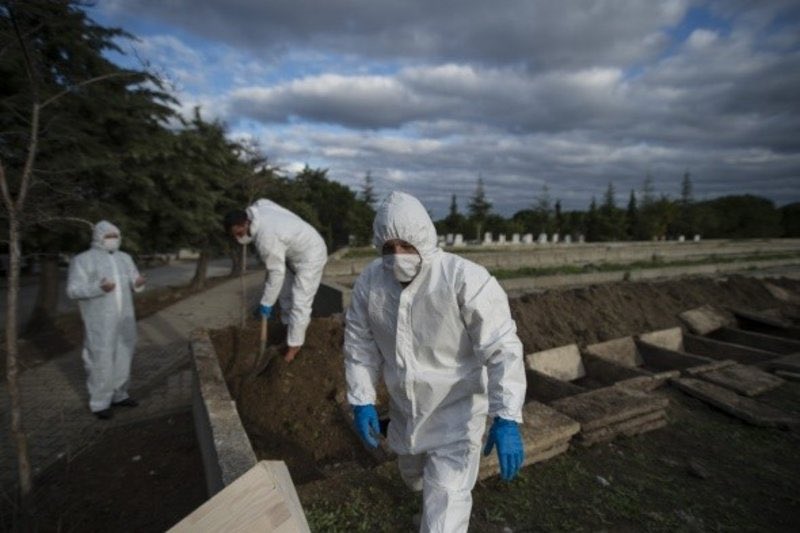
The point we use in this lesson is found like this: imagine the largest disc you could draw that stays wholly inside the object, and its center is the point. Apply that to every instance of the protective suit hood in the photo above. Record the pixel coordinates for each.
(99, 231)
(401, 216)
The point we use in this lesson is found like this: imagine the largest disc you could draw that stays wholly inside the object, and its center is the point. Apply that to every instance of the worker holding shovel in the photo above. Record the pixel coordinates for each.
(294, 255)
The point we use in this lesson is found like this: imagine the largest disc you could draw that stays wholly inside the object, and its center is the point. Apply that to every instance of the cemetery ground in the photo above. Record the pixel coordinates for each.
(704, 471)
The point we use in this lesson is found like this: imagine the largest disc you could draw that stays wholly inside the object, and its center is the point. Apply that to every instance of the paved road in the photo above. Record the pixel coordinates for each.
(175, 274)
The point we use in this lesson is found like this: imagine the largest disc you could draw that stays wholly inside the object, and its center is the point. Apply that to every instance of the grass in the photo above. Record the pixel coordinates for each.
(705, 471)
(525, 272)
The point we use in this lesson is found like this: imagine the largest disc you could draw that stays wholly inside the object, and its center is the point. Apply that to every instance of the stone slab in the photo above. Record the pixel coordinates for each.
(743, 379)
(563, 362)
(628, 428)
(648, 383)
(545, 433)
(746, 409)
(789, 363)
(544, 388)
(705, 319)
(716, 349)
(602, 407)
(788, 376)
(761, 341)
(782, 294)
(671, 338)
(622, 351)
(695, 371)
(658, 358)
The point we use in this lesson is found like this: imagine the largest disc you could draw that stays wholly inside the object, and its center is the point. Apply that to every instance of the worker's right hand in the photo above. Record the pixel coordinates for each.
(107, 285)
(366, 419)
(265, 310)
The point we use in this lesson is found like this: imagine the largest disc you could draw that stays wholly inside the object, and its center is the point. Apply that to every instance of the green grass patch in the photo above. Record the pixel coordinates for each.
(656, 262)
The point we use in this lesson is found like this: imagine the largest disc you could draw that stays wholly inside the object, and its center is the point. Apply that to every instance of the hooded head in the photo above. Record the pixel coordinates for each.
(401, 216)
(106, 236)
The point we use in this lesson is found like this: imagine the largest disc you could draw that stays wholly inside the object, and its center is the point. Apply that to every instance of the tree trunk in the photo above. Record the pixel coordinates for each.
(46, 308)
(12, 369)
(238, 260)
(199, 280)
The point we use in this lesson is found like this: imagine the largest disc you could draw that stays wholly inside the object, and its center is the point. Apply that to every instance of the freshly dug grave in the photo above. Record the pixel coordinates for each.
(291, 411)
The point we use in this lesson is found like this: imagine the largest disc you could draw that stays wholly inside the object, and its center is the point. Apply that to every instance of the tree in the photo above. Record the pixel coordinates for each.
(631, 217)
(55, 82)
(558, 219)
(610, 219)
(685, 223)
(368, 190)
(479, 208)
(591, 224)
(790, 220)
(543, 210)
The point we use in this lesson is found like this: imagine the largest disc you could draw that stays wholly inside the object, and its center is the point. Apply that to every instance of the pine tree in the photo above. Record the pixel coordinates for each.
(479, 208)
(368, 190)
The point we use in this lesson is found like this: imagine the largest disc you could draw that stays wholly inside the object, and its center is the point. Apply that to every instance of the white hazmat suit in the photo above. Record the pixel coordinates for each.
(108, 317)
(295, 256)
(447, 348)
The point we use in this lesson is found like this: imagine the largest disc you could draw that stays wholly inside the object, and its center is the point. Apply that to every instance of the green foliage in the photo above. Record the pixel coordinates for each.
(740, 216)
(790, 220)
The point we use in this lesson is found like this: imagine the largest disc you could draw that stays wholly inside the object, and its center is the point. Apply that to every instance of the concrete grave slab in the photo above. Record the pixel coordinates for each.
(743, 379)
(716, 349)
(622, 351)
(671, 338)
(627, 428)
(544, 388)
(761, 341)
(746, 409)
(788, 376)
(782, 294)
(545, 433)
(787, 363)
(705, 319)
(602, 407)
(563, 362)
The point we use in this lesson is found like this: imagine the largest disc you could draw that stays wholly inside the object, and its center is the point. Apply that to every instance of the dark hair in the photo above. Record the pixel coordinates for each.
(234, 218)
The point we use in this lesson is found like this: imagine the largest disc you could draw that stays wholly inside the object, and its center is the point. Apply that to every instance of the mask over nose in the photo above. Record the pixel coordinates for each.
(111, 244)
(405, 267)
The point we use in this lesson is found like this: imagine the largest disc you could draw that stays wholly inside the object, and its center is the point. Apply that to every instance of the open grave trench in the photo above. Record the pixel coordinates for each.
(597, 359)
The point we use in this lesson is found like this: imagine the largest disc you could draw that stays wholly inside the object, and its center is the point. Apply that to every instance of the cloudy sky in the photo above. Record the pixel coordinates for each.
(429, 95)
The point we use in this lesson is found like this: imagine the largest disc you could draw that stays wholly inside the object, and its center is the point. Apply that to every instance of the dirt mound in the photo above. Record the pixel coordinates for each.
(291, 413)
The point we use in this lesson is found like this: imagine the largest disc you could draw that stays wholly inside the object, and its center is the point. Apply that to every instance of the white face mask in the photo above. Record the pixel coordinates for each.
(404, 266)
(244, 239)
(111, 244)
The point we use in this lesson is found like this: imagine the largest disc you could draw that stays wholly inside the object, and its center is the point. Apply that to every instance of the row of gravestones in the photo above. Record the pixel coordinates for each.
(457, 239)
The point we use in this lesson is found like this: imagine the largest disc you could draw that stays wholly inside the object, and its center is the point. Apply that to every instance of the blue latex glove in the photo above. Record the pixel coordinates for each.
(265, 310)
(505, 435)
(366, 419)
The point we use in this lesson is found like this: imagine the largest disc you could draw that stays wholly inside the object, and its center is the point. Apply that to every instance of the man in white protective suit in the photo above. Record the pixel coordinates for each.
(438, 328)
(294, 255)
(101, 280)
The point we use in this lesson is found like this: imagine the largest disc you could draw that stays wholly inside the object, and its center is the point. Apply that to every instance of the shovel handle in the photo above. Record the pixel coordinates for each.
(262, 345)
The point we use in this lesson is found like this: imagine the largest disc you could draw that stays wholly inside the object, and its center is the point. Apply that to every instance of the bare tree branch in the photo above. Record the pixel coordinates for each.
(84, 83)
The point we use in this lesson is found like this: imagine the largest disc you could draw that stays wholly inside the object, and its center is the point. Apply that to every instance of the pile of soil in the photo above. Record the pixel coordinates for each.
(293, 412)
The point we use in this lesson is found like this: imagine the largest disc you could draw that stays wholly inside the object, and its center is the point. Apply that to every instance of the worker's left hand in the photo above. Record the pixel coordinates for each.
(265, 310)
(505, 435)
(139, 282)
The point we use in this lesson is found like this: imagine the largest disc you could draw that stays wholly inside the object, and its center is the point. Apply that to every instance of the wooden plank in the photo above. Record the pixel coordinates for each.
(262, 499)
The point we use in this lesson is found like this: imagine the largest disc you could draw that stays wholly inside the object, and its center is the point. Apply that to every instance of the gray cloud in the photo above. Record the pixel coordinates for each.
(428, 95)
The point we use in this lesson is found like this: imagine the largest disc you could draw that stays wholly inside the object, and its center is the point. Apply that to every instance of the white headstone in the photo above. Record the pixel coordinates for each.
(487, 237)
(449, 239)
(501, 239)
(458, 240)
(441, 240)
(697, 238)
(554, 238)
(581, 238)
(567, 239)
(542, 238)
(527, 238)
(515, 238)
(681, 238)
